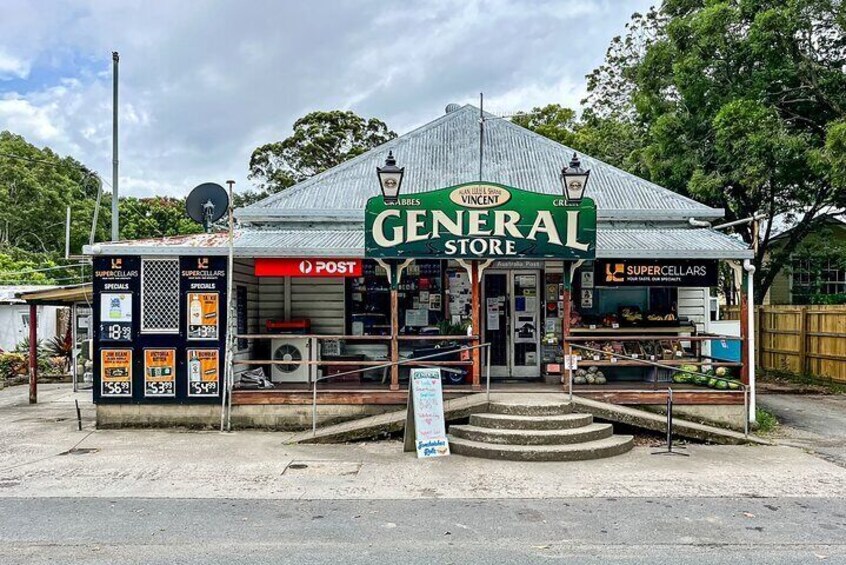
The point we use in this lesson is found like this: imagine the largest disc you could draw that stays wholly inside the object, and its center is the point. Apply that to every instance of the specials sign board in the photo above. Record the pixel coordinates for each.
(478, 221)
(656, 272)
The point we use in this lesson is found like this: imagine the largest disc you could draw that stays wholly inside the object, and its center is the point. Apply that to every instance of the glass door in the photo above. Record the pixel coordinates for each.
(511, 314)
(525, 304)
(496, 314)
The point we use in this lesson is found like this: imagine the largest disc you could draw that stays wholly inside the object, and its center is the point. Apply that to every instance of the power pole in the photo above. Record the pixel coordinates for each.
(115, 192)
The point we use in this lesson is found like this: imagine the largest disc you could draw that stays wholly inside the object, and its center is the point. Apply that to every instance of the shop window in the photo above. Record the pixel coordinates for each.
(420, 299)
(160, 295)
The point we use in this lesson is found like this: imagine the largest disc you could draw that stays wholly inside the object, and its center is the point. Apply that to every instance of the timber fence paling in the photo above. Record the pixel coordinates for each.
(801, 339)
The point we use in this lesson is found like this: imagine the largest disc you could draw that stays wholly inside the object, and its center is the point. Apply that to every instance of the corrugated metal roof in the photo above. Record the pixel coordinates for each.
(646, 242)
(445, 152)
(300, 243)
(654, 243)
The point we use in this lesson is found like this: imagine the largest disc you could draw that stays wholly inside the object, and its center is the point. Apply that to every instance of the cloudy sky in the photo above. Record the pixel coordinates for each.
(204, 82)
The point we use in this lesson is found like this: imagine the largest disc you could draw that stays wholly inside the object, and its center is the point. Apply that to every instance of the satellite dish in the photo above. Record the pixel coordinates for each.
(207, 203)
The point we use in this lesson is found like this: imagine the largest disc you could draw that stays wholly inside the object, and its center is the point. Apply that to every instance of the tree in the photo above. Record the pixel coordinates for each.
(607, 138)
(159, 216)
(741, 104)
(320, 141)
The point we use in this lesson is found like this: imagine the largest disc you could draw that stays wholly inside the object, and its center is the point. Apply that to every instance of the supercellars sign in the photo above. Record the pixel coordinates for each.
(479, 221)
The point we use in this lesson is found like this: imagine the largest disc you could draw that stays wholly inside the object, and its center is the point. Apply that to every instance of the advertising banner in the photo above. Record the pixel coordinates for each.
(203, 310)
(116, 372)
(656, 272)
(203, 372)
(478, 221)
(116, 281)
(160, 373)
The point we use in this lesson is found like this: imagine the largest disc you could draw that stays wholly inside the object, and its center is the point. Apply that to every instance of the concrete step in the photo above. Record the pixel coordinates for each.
(591, 432)
(607, 447)
(530, 407)
(511, 422)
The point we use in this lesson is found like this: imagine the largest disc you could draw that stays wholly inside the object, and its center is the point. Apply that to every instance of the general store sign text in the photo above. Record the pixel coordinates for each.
(480, 220)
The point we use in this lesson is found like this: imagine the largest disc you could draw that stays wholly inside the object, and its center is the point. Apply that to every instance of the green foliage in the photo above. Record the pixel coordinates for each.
(607, 138)
(160, 216)
(739, 103)
(320, 141)
(12, 364)
(766, 420)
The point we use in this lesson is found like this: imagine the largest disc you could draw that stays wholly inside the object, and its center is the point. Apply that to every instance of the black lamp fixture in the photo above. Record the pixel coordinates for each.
(390, 179)
(574, 180)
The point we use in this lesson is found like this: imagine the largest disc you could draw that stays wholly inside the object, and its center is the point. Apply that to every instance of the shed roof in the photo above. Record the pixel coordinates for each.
(445, 152)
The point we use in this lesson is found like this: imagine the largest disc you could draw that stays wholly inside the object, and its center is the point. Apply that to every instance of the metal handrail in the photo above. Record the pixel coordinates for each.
(743, 386)
(398, 363)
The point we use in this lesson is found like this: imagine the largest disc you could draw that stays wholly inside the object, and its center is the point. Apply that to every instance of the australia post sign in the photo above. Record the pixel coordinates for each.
(307, 267)
(480, 221)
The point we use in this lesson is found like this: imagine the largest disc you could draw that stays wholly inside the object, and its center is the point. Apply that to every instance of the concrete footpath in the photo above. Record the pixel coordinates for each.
(811, 421)
(43, 455)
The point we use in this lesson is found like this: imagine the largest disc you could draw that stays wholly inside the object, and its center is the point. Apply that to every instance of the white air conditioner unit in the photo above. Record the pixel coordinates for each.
(291, 348)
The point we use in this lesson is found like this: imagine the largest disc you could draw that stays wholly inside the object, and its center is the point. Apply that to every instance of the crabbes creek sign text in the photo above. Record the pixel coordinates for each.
(480, 220)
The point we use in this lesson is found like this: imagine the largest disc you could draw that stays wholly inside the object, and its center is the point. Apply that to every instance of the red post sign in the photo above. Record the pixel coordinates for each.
(311, 267)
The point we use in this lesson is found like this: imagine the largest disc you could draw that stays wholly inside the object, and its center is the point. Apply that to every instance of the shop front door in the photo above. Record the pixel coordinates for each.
(511, 314)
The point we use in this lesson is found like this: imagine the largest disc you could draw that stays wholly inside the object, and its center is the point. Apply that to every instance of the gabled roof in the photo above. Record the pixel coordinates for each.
(445, 152)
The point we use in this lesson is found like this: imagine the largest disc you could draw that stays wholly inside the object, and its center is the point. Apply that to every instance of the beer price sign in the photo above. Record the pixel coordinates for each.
(160, 373)
(480, 221)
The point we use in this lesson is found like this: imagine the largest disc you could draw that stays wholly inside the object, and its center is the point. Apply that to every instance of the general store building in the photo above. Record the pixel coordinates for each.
(312, 299)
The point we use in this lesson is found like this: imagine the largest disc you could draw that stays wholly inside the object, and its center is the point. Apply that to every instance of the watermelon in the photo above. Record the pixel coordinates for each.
(679, 377)
(734, 385)
(722, 385)
(712, 382)
(700, 380)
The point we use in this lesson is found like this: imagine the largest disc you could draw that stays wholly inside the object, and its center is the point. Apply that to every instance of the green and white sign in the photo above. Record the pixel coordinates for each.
(479, 221)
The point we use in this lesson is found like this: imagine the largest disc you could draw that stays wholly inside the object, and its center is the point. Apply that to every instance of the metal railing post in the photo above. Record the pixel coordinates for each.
(488, 371)
(746, 412)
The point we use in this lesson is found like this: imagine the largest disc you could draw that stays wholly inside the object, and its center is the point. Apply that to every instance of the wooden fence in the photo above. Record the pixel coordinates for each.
(800, 339)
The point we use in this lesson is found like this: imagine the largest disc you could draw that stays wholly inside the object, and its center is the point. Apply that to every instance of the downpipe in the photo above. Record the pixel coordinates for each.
(750, 344)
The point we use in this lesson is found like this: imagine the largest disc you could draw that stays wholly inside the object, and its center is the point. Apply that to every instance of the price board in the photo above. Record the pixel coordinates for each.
(203, 372)
(203, 309)
(116, 372)
(160, 373)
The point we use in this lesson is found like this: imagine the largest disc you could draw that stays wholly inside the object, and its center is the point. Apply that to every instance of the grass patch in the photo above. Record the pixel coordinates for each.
(766, 420)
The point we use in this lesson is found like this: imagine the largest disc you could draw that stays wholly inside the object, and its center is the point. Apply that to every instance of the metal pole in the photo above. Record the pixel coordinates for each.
(669, 419)
(67, 233)
(746, 412)
(314, 408)
(230, 320)
(488, 370)
(750, 343)
(115, 191)
(33, 353)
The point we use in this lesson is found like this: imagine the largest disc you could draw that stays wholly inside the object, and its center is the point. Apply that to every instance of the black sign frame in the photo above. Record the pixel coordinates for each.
(656, 272)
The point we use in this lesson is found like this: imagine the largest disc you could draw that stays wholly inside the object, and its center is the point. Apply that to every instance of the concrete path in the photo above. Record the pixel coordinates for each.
(572, 531)
(43, 455)
(814, 422)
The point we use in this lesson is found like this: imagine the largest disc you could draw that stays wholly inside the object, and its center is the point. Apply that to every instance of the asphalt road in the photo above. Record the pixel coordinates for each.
(814, 422)
(630, 530)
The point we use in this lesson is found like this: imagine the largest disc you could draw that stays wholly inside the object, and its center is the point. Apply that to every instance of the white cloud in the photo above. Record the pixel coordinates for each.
(13, 67)
(204, 82)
